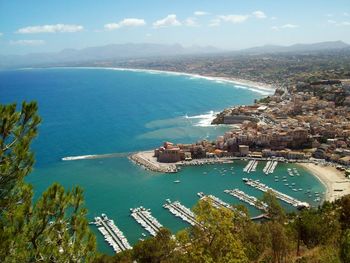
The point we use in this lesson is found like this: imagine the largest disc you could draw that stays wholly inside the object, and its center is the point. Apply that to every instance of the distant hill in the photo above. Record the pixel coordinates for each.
(120, 52)
(108, 52)
(330, 45)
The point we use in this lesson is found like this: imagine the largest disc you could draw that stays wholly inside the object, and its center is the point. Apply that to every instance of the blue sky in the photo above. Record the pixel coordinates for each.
(45, 26)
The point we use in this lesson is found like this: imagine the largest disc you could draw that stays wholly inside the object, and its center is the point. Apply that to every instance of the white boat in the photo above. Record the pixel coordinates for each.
(177, 181)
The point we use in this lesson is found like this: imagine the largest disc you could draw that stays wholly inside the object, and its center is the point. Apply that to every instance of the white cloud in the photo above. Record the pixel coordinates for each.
(1, 34)
(346, 14)
(200, 13)
(127, 22)
(214, 22)
(191, 21)
(289, 26)
(259, 14)
(111, 26)
(235, 19)
(62, 28)
(273, 18)
(286, 26)
(329, 15)
(169, 20)
(28, 42)
(344, 23)
(132, 22)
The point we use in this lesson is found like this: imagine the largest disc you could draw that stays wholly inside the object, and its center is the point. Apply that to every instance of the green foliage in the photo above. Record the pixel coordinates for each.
(216, 240)
(275, 210)
(345, 246)
(317, 228)
(160, 248)
(54, 229)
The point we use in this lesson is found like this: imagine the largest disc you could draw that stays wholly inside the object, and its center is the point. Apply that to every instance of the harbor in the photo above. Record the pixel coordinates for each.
(281, 196)
(179, 210)
(251, 200)
(270, 167)
(215, 201)
(251, 166)
(111, 233)
(144, 217)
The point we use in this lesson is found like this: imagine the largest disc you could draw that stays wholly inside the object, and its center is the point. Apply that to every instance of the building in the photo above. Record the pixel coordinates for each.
(243, 150)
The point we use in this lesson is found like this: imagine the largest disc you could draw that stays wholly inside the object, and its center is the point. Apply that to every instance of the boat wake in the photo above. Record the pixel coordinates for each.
(203, 120)
(82, 157)
(95, 156)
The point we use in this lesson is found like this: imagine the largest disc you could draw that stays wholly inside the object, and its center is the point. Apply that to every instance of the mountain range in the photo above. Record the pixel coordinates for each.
(144, 50)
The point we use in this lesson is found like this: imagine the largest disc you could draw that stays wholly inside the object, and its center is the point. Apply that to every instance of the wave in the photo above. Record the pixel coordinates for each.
(204, 120)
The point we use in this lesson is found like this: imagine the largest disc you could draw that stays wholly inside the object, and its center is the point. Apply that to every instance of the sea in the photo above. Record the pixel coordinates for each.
(91, 111)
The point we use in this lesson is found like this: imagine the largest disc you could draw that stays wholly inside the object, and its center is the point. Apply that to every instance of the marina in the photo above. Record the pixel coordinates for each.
(251, 166)
(218, 203)
(251, 200)
(179, 210)
(286, 198)
(270, 167)
(146, 220)
(111, 233)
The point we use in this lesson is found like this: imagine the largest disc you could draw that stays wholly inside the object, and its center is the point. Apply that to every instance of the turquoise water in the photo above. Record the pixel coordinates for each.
(96, 111)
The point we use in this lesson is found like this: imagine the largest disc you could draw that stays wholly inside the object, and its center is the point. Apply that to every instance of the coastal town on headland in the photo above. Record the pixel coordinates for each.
(307, 123)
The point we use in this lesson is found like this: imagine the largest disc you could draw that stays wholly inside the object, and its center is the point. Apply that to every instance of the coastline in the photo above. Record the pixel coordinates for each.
(335, 182)
(259, 87)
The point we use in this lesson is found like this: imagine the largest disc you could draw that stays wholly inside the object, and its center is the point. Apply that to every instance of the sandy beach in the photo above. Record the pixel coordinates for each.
(259, 87)
(336, 183)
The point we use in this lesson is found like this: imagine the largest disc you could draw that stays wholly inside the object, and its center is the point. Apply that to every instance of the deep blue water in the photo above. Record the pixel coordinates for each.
(97, 111)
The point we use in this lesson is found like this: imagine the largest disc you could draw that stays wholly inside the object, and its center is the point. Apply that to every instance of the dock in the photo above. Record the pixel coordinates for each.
(270, 167)
(251, 166)
(251, 200)
(112, 235)
(179, 210)
(281, 196)
(217, 202)
(144, 217)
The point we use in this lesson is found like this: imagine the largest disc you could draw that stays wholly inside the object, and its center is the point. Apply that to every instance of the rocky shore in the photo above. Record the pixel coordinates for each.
(147, 160)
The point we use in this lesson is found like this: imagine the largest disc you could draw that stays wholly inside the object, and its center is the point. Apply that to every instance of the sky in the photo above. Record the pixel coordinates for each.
(51, 26)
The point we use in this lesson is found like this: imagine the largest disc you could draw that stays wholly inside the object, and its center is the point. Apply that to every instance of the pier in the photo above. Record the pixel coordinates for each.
(179, 210)
(251, 166)
(251, 200)
(285, 198)
(218, 203)
(112, 235)
(270, 167)
(146, 220)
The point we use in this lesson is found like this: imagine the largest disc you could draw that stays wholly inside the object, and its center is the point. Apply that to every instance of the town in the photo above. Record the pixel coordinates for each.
(308, 120)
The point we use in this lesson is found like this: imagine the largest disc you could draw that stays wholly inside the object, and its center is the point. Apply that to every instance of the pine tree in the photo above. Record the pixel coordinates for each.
(54, 229)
